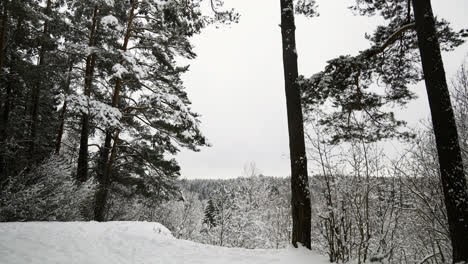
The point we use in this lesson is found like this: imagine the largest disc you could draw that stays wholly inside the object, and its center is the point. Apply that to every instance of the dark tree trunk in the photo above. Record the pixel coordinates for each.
(83, 156)
(4, 134)
(6, 106)
(36, 93)
(58, 143)
(105, 163)
(82, 168)
(103, 180)
(3, 34)
(445, 130)
(300, 196)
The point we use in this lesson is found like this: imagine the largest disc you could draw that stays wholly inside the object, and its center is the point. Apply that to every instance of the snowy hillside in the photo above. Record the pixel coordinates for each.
(126, 243)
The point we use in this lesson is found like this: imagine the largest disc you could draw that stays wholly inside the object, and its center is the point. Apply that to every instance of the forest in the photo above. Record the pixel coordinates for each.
(95, 110)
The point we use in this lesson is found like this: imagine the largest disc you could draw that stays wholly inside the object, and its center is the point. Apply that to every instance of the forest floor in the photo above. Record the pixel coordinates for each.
(126, 243)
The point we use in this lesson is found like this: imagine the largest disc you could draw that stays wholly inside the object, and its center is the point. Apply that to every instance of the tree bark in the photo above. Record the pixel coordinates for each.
(6, 107)
(83, 156)
(445, 130)
(104, 182)
(58, 143)
(300, 195)
(106, 162)
(3, 33)
(4, 134)
(37, 88)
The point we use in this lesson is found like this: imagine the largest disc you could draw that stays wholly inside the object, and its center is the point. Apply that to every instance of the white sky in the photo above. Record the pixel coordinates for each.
(236, 82)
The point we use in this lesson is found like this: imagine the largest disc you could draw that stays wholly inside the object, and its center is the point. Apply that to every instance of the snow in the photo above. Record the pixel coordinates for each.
(124, 242)
(119, 70)
(109, 20)
(103, 114)
(109, 2)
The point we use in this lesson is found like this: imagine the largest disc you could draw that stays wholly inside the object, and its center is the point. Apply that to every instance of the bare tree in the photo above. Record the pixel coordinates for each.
(250, 169)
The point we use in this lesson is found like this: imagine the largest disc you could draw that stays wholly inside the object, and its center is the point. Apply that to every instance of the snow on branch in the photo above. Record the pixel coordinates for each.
(103, 114)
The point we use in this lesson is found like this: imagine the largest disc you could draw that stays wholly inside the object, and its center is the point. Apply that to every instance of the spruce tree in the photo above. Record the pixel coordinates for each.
(210, 214)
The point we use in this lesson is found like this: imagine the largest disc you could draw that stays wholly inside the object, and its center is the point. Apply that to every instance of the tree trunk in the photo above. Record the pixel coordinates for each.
(6, 107)
(104, 182)
(58, 143)
(300, 196)
(445, 130)
(3, 34)
(37, 88)
(4, 134)
(82, 168)
(106, 162)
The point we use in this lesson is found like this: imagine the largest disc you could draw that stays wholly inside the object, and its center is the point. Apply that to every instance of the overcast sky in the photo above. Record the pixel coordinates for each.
(236, 82)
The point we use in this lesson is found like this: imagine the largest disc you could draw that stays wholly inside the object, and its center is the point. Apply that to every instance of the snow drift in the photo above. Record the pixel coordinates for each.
(124, 242)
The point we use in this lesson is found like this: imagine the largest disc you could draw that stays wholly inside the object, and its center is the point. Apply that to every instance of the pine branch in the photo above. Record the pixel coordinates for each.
(392, 39)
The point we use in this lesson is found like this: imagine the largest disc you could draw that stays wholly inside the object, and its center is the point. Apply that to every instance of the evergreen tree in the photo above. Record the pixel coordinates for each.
(445, 130)
(210, 212)
(300, 199)
(393, 59)
(82, 168)
(31, 74)
(111, 66)
(147, 89)
(36, 89)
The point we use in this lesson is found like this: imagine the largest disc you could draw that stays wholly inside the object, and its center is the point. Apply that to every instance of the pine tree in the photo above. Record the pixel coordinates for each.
(63, 111)
(31, 75)
(36, 90)
(393, 59)
(82, 168)
(148, 92)
(101, 195)
(129, 95)
(6, 105)
(300, 198)
(392, 64)
(445, 130)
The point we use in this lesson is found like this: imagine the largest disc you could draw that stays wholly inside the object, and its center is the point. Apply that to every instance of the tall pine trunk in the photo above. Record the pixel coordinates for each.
(445, 130)
(4, 134)
(6, 104)
(106, 162)
(3, 34)
(58, 142)
(300, 196)
(103, 180)
(83, 156)
(36, 92)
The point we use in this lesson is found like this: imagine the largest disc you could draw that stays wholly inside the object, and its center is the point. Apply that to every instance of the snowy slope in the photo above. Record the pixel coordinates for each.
(124, 242)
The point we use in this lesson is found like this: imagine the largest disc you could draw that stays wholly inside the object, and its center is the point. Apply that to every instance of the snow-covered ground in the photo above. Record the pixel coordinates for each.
(124, 242)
